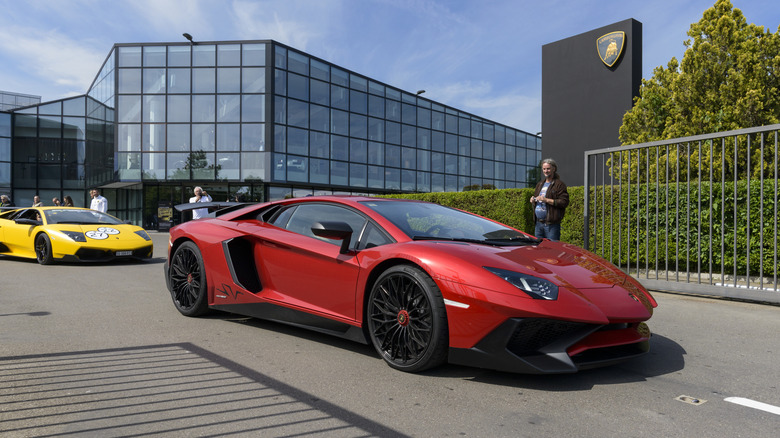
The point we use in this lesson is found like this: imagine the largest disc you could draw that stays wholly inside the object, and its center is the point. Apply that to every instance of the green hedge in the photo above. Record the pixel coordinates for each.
(511, 207)
(685, 232)
(623, 218)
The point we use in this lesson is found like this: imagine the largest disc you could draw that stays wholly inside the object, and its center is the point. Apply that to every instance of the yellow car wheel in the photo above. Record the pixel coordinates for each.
(43, 249)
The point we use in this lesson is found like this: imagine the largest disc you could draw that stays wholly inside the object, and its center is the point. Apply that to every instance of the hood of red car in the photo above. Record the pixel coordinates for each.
(589, 279)
(564, 264)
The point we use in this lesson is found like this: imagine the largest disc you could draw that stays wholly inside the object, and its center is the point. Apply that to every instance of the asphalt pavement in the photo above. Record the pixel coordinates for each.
(99, 350)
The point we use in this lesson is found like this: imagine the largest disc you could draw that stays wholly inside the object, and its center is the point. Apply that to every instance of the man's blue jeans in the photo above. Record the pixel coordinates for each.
(550, 231)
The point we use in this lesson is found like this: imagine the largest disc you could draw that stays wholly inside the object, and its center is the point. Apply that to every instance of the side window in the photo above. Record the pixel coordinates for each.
(281, 218)
(307, 215)
(373, 236)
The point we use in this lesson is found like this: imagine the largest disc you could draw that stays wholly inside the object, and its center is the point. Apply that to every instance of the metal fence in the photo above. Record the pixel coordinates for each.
(695, 214)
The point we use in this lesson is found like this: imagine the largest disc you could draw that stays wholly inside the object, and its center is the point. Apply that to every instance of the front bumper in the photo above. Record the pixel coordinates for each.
(104, 255)
(546, 346)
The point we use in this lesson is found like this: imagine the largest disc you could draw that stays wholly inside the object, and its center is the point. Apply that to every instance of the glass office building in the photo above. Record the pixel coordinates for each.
(253, 120)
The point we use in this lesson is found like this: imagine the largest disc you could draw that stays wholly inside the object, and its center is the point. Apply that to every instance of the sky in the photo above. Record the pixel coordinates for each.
(480, 56)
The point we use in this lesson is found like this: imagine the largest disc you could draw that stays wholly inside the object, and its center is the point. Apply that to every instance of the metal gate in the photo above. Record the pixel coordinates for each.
(695, 214)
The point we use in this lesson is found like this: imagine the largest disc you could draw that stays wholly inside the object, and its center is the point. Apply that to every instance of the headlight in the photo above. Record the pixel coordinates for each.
(535, 287)
(143, 234)
(75, 236)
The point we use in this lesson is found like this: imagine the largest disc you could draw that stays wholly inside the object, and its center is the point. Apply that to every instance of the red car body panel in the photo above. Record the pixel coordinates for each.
(312, 276)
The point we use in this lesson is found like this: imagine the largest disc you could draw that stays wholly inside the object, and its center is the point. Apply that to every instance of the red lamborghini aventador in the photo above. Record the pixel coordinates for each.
(425, 284)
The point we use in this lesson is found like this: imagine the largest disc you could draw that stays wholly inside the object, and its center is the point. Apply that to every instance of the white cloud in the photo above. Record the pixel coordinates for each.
(162, 17)
(513, 108)
(52, 57)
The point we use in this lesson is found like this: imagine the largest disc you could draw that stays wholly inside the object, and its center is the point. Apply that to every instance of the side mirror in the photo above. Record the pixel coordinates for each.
(28, 222)
(335, 231)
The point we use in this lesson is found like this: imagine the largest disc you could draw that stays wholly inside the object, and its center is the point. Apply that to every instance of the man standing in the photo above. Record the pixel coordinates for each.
(200, 196)
(99, 203)
(5, 201)
(551, 199)
(37, 201)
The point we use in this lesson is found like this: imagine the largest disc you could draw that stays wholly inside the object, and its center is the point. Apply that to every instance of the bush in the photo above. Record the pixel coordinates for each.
(665, 225)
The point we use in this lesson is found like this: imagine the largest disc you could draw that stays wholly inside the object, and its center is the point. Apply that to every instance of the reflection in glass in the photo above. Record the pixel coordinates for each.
(153, 166)
(253, 108)
(228, 80)
(297, 141)
(177, 166)
(154, 108)
(178, 137)
(178, 56)
(229, 54)
(228, 166)
(228, 108)
(319, 171)
(129, 56)
(74, 107)
(357, 175)
(154, 80)
(252, 166)
(228, 137)
(203, 80)
(129, 108)
(253, 54)
(178, 80)
(154, 56)
(253, 137)
(339, 173)
(178, 109)
(253, 80)
(50, 126)
(129, 80)
(203, 55)
(129, 137)
(153, 138)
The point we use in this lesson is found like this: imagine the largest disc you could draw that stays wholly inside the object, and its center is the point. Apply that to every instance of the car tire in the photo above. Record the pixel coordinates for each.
(43, 249)
(187, 279)
(407, 321)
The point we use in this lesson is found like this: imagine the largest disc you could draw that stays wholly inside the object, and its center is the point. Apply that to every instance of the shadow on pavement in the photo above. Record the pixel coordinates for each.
(173, 389)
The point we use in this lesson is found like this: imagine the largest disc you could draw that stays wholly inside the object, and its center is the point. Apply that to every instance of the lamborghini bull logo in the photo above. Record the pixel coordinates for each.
(610, 47)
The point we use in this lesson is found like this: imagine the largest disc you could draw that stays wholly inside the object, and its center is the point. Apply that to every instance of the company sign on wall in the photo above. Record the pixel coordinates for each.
(610, 47)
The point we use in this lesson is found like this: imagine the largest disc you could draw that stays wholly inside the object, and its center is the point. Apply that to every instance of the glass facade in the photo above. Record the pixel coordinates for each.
(336, 128)
(254, 120)
(9, 101)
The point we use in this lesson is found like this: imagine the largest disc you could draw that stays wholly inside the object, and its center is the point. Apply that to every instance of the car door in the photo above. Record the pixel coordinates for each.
(20, 238)
(309, 271)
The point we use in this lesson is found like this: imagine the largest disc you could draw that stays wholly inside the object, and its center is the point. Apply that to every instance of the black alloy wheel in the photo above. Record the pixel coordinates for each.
(407, 321)
(188, 280)
(43, 249)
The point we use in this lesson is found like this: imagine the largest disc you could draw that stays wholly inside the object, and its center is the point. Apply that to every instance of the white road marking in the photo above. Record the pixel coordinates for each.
(754, 404)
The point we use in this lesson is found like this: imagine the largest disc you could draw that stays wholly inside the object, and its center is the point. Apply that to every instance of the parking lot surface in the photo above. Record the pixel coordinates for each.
(99, 350)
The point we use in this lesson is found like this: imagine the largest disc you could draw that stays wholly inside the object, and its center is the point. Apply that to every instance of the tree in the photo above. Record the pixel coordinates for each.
(197, 167)
(729, 78)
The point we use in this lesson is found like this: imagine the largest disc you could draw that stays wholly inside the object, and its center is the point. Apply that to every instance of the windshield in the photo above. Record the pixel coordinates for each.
(81, 217)
(425, 221)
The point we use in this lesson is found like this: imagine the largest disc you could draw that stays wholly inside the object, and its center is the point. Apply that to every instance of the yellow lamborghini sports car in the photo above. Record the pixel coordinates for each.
(68, 234)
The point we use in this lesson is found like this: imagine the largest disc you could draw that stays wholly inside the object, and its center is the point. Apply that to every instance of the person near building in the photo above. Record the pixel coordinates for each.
(68, 201)
(99, 203)
(550, 200)
(200, 196)
(56, 201)
(37, 201)
(5, 201)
